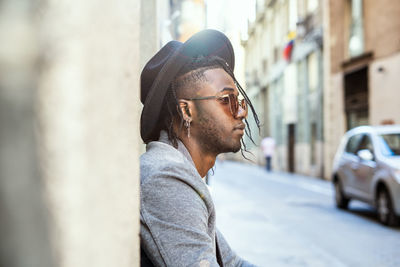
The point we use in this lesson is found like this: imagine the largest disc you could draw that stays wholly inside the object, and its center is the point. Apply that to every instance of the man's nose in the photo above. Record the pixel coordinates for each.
(242, 113)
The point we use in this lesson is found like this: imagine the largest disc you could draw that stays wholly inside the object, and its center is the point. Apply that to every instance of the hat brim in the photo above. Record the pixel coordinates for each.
(205, 43)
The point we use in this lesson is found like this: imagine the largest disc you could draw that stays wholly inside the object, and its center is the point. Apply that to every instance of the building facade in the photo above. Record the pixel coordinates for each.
(188, 17)
(362, 66)
(284, 78)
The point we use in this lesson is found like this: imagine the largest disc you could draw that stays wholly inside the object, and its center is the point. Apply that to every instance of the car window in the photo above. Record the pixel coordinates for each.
(352, 144)
(366, 143)
(390, 144)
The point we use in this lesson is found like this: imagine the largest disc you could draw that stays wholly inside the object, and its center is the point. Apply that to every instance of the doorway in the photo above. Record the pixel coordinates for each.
(291, 147)
(356, 98)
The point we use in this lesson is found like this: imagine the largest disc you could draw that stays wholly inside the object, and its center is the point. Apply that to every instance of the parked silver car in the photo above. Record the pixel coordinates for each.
(367, 167)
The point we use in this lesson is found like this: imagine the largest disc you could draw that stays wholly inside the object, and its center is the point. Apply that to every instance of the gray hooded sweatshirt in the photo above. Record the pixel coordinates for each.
(177, 214)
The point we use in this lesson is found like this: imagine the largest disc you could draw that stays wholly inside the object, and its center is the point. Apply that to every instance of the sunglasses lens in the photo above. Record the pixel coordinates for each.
(243, 103)
(234, 104)
(233, 99)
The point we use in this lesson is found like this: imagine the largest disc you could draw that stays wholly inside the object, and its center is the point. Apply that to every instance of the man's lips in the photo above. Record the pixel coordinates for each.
(240, 127)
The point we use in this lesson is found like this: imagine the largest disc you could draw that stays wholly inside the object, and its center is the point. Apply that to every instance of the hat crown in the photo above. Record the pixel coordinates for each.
(153, 67)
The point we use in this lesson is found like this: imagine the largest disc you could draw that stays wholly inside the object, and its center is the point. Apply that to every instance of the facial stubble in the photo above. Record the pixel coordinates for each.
(211, 136)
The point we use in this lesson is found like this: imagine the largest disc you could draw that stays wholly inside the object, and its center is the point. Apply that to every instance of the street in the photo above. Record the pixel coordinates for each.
(280, 219)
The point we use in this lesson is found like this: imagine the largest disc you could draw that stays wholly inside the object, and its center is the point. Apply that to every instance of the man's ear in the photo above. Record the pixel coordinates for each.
(185, 107)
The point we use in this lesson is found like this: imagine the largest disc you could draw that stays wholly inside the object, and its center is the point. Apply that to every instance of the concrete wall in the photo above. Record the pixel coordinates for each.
(69, 187)
(381, 29)
(302, 158)
(384, 97)
(24, 220)
(334, 26)
(303, 163)
(334, 118)
(279, 160)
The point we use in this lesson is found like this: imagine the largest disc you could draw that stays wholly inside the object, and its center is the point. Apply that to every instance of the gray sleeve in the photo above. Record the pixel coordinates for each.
(174, 224)
(229, 257)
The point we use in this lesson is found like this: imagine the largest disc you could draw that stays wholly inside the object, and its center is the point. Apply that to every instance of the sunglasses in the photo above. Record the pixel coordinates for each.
(228, 99)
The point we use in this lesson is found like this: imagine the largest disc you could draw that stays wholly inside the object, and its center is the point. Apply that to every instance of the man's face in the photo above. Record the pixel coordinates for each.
(213, 125)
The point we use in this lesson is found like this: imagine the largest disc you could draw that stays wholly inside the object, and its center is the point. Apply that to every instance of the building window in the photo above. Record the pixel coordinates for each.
(356, 38)
(313, 149)
(312, 5)
(265, 65)
(252, 10)
(277, 26)
(277, 53)
(312, 61)
(255, 78)
(292, 15)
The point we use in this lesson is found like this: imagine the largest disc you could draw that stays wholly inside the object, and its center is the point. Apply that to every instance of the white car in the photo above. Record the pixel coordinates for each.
(367, 167)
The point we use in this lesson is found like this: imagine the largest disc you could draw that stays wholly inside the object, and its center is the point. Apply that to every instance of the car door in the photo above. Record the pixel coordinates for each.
(366, 169)
(349, 164)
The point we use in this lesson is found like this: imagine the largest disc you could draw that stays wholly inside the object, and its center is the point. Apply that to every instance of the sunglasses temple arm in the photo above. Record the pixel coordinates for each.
(200, 98)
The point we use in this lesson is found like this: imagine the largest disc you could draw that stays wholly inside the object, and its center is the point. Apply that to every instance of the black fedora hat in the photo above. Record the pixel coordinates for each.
(163, 67)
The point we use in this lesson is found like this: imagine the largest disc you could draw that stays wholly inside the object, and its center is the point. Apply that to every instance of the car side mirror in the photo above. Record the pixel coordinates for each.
(365, 154)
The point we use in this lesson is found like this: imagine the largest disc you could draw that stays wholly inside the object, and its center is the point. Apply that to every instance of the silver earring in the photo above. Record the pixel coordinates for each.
(187, 125)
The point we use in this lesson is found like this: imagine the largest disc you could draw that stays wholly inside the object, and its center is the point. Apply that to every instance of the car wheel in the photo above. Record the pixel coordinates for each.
(386, 213)
(342, 202)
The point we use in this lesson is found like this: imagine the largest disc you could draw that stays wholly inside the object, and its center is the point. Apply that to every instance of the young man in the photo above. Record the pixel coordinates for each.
(191, 114)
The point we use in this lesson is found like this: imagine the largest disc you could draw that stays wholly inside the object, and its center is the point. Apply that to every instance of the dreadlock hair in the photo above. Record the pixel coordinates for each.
(190, 76)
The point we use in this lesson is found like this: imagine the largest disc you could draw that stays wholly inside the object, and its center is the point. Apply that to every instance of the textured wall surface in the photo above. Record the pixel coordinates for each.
(24, 235)
(381, 29)
(384, 88)
(88, 98)
(69, 135)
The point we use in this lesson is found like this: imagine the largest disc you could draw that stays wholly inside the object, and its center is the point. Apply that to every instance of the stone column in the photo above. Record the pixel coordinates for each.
(69, 134)
(24, 220)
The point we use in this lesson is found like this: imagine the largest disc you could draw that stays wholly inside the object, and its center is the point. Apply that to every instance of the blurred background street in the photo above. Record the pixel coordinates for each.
(314, 69)
(280, 219)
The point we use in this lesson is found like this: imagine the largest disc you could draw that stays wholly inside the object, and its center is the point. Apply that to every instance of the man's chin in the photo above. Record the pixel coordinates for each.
(237, 148)
(231, 149)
